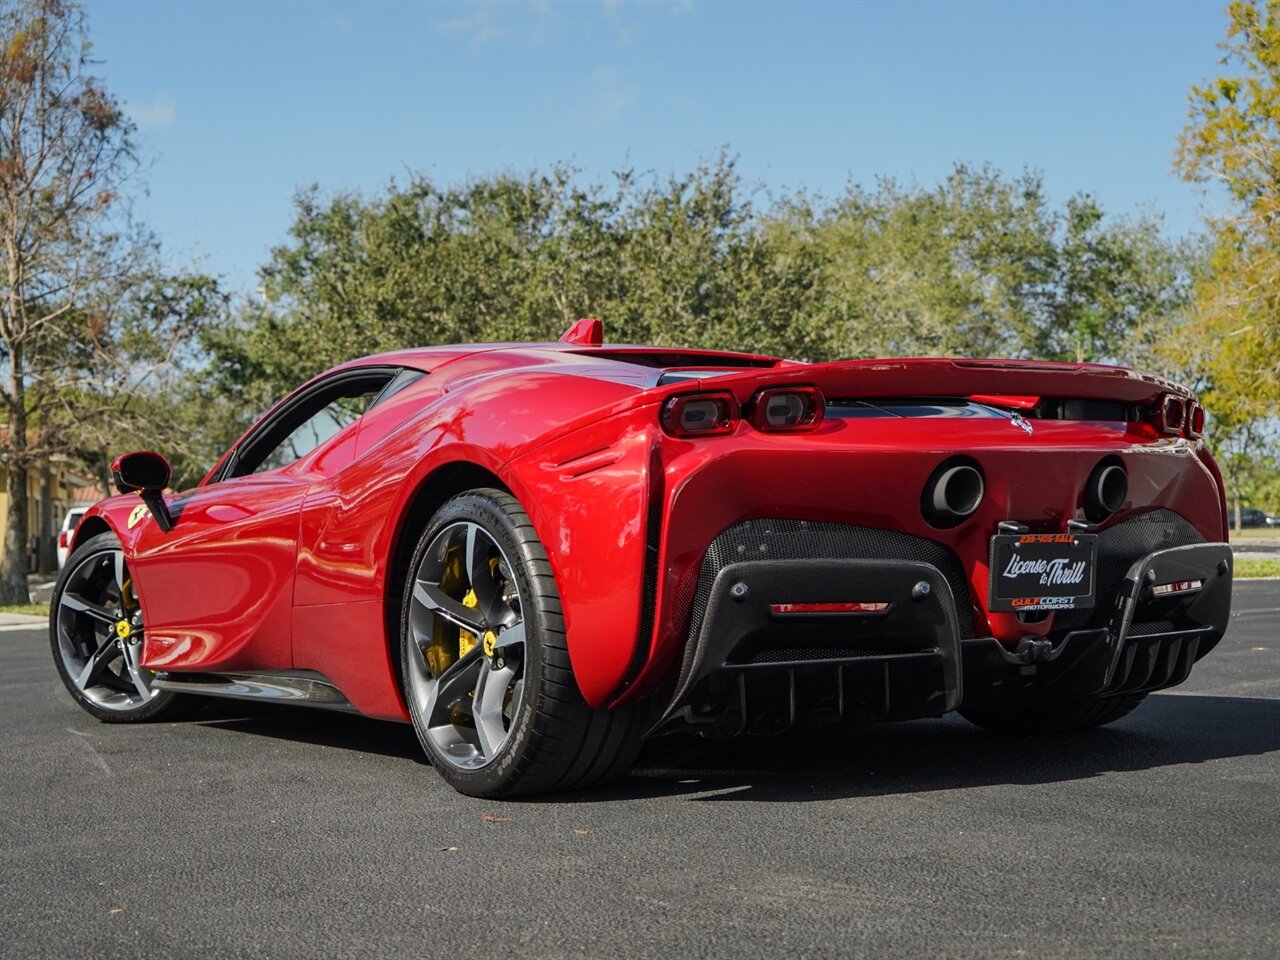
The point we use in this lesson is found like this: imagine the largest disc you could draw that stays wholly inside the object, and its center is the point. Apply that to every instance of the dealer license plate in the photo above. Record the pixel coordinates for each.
(1043, 571)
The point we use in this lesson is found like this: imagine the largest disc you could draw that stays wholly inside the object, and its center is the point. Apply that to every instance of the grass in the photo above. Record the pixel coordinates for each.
(1255, 534)
(32, 609)
(1246, 567)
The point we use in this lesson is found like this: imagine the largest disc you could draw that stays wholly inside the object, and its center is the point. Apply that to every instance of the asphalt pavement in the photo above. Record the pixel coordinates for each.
(258, 832)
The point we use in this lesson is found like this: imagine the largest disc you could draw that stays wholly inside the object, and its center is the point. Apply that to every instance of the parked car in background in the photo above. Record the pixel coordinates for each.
(69, 524)
(1273, 520)
(1252, 517)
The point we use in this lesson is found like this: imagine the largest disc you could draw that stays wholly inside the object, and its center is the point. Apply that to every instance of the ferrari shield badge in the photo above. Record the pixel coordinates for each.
(135, 517)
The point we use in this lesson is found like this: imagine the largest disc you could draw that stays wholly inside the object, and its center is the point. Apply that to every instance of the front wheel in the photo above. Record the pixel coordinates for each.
(96, 631)
(1050, 718)
(485, 665)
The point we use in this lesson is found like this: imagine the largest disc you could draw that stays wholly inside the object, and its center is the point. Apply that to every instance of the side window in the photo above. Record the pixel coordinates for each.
(310, 420)
(316, 429)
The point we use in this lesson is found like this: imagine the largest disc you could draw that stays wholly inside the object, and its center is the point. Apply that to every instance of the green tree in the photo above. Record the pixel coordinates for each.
(982, 264)
(95, 333)
(127, 369)
(505, 258)
(65, 153)
(1232, 141)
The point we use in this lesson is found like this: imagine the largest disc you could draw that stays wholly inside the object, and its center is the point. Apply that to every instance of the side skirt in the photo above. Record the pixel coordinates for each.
(303, 688)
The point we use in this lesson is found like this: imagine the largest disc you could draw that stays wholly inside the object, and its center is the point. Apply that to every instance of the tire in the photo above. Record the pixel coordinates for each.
(1051, 718)
(96, 632)
(496, 707)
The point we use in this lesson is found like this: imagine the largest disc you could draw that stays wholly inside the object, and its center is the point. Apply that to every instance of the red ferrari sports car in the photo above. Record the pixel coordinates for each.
(542, 554)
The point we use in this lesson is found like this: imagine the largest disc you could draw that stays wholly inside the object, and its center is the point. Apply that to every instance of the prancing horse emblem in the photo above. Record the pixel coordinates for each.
(1017, 420)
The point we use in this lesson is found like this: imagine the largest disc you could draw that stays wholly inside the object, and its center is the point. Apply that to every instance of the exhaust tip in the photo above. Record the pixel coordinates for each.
(1106, 491)
(952, 494)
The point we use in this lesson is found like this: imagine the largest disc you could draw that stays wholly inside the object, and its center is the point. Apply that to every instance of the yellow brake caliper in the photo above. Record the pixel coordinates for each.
(127, 598)
(128, 603)
(467, 639)
(448, 646)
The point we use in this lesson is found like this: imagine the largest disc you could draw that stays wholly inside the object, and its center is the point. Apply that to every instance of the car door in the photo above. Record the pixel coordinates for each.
(217, 590)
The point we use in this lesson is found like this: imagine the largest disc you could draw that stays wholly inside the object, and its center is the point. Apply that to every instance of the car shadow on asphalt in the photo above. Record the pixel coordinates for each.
(344, 731)
(950, 754)
(834, 762)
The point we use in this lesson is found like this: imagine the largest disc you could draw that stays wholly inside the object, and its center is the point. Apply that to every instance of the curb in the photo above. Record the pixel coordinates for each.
(21, 620)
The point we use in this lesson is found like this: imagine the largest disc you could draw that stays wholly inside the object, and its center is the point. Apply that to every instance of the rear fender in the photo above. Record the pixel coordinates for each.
(1211, 465)
(589, 497)
(353, 529)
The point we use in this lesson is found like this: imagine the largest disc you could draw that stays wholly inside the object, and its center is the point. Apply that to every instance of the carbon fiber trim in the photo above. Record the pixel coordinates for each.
(1119, 548)
(902, 662)
(806, 540)
(801, 654)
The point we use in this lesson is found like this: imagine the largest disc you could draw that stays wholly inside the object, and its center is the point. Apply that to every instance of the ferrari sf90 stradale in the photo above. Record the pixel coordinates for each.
(541, 554)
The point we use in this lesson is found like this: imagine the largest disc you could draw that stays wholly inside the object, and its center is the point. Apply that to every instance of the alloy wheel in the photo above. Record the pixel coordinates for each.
(467, 643)
(99, 633)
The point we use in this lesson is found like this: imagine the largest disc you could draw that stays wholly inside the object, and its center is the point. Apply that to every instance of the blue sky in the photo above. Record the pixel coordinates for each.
(239, 104)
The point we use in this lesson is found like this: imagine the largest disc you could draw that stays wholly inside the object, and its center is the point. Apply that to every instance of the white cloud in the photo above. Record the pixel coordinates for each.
(674, 6)
(160, 112)
(478, 25)
(607, 96)
(527, 22)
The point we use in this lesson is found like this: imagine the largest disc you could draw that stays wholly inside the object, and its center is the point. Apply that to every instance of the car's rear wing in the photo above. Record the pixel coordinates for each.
(1019, 380)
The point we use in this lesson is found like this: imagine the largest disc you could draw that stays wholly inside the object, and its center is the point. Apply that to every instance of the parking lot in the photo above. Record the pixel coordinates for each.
(258, 832)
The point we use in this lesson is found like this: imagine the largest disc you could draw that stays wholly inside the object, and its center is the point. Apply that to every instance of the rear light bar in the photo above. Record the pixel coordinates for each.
(1171, 415)
(787, 409)
(700, 415)
(1181, 586)
(801, 609)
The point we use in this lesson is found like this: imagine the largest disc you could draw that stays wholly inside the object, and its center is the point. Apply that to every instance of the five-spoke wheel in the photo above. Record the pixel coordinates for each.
(484, 660)
(466, 674)
(96, 631)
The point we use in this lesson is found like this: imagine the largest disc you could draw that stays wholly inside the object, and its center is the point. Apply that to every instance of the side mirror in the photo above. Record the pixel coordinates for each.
(147, 474)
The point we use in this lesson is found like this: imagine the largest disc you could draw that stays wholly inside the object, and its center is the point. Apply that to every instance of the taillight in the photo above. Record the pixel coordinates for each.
(1172, 414)
(64, 539)
(787, 409)
(1195, 421)
(700, 415)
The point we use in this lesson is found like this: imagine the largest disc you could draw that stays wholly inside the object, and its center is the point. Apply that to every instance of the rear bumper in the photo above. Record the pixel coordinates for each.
(749, 639)
(758, 664)
(1149, 641)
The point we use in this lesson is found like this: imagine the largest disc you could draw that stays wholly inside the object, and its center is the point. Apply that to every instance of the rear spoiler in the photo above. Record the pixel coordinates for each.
(1020, 380)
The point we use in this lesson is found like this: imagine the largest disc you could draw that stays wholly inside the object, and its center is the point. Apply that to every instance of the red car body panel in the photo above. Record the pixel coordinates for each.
(876, 480)
(294, 568)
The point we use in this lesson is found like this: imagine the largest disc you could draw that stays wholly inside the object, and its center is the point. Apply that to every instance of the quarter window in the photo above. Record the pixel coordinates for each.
(308, 421)
(322, 425)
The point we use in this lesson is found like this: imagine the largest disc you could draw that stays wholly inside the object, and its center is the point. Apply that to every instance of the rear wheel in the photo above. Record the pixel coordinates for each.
(485, 666)
(1051, 718)
(96, 632)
